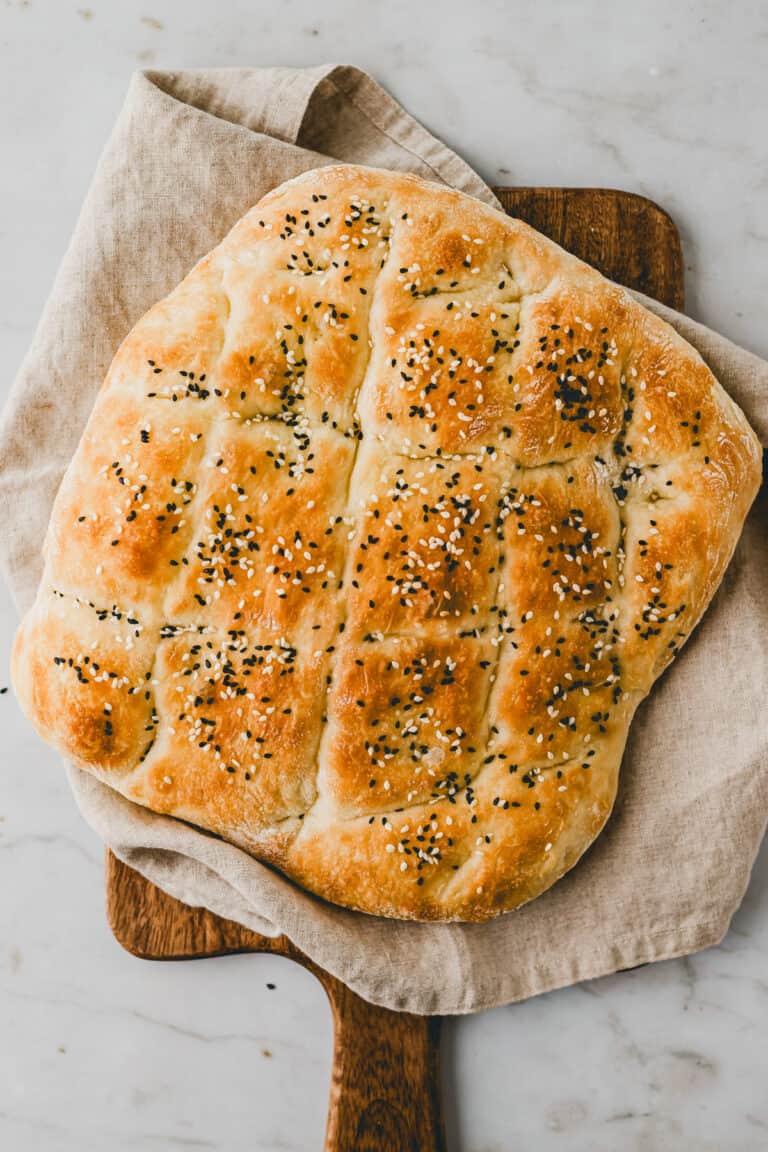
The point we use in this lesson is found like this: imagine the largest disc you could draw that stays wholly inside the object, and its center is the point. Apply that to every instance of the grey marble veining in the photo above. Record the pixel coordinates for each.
(100, 1050)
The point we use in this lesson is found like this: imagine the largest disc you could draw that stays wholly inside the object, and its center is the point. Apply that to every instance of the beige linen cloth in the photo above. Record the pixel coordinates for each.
(189, 154)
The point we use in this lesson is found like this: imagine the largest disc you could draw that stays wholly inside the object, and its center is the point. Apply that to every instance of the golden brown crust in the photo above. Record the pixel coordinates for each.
(382, 525)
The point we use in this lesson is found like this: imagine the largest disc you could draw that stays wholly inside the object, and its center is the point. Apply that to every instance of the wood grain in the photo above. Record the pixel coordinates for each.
(626, 237)
(385, 1087)
(385, 1090)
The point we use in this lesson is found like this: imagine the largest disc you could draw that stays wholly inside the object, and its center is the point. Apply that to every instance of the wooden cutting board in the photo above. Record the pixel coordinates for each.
(385, 1090)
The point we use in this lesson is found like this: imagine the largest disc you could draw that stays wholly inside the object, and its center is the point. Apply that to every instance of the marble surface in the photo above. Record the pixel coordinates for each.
(99, 1050)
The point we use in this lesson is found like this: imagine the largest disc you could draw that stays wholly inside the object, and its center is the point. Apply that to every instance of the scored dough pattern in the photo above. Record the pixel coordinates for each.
(383, 524)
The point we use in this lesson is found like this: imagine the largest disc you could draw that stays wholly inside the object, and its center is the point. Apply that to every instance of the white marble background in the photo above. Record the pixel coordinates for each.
(101, 1051)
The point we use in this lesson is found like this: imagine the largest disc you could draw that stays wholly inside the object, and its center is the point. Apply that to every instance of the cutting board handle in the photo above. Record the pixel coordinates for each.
(385, 1086)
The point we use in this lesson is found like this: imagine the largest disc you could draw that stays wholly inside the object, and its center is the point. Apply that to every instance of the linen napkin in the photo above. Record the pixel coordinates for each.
(190, 153)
